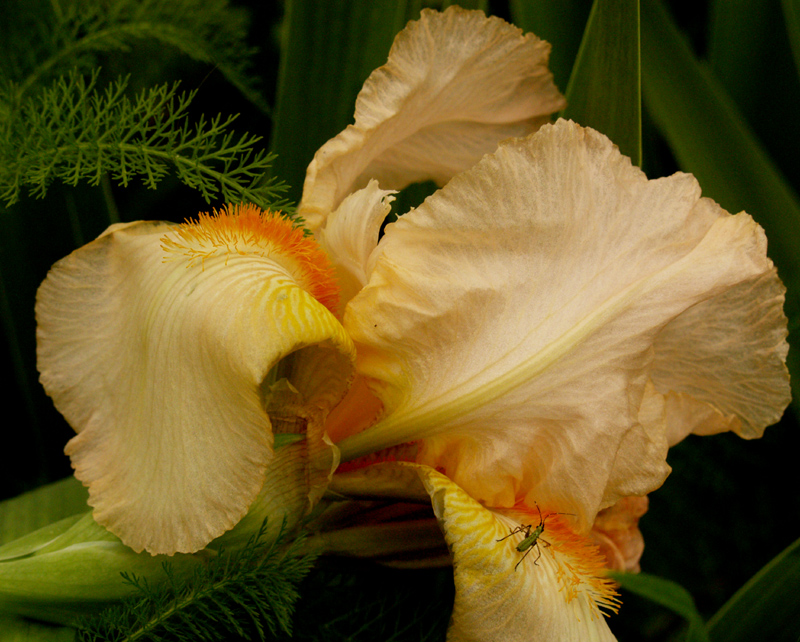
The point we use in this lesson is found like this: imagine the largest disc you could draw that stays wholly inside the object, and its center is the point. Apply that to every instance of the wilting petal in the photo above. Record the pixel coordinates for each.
(156, 342)
(510, 320)
(555, 593)
(456, 83)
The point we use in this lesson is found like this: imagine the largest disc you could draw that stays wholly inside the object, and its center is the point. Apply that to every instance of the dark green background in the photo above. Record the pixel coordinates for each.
(728, 507)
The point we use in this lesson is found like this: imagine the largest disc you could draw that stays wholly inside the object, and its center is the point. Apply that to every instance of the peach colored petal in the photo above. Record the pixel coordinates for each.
(358, 410)
(715, 380)
(616, 532)
(512, 321)
(351, 236)
(456, 83)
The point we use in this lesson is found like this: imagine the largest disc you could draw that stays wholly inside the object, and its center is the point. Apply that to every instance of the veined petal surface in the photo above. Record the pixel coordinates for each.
(713, 380)
(351, 237)
(554, 593)
(155, 341)
(512, 321)
(455, 84)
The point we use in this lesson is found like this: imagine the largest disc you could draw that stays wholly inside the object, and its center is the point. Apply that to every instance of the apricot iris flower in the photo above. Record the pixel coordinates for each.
(537, 333)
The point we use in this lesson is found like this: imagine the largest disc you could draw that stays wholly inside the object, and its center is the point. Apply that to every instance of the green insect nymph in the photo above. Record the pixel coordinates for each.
(532, 536)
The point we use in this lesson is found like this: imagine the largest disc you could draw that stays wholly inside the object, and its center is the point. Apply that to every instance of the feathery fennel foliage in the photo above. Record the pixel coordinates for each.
(241, 595)
(59, 121)
(73, 132)
(69, 34)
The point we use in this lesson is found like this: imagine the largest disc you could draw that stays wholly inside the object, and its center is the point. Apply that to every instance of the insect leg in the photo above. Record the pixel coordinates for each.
(514, 531)
(522, 558)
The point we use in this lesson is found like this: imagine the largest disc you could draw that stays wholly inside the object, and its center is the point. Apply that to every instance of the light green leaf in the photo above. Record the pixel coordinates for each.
(41, 507)
(18, 630)
(766, 607)
(710, 139)
(604, 89)
(73, 567)
(669, 595)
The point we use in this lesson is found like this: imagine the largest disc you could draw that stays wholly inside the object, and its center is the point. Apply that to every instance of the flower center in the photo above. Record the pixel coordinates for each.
(247, 230)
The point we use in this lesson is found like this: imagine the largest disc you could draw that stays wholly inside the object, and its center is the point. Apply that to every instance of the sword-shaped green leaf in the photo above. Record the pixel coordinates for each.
(604, 89)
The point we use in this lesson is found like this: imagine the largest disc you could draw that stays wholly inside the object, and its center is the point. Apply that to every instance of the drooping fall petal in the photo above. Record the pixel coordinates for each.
(455, 84)
(512, 321)
(555, 593)
(162, 344)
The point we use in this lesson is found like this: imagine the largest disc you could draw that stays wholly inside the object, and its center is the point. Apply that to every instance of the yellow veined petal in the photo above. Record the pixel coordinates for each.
(160, 345)
(456, 83)
(510, 320)
(555, 593)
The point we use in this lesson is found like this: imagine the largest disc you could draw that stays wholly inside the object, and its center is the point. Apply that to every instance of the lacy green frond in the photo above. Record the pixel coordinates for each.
(242, 595)
(74, 132)
(71, 33)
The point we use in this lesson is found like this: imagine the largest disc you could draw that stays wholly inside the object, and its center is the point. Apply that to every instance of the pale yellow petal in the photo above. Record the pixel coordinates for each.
(351, 236)
(510, 320)
(456, 83)
(294, 478)
(555, 593)
(161, 361)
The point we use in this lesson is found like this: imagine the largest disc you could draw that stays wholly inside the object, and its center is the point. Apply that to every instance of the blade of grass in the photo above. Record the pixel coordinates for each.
(791, 10)
(750, 53)
(559, 23)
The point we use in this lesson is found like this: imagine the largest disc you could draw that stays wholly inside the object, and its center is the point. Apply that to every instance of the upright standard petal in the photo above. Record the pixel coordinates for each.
(351, 237)
(161, 345)
(455, 84)
(512, 321)
(552, 590)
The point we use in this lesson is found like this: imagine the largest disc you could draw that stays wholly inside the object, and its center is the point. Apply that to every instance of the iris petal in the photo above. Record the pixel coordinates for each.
(510, 320)
(455, 84)
(550, 595)
(163, 363)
